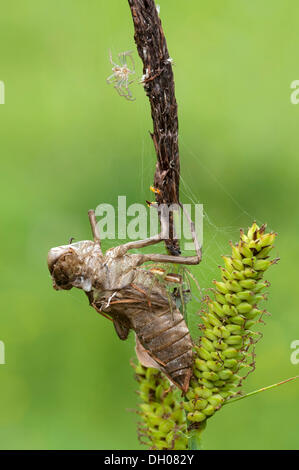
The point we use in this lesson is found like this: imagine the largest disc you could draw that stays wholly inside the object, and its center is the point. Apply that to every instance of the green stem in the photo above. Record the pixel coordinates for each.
(195, 437)
(261, 390)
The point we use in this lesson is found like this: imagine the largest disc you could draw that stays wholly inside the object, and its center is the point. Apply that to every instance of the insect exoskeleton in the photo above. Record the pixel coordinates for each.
(132, 297)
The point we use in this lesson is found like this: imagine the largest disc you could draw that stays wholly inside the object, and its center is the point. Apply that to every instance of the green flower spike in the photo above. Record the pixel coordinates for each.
(225, 352)
(163, 420)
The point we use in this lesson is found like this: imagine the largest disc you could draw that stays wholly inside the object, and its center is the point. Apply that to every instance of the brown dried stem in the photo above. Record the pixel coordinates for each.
(159, 86)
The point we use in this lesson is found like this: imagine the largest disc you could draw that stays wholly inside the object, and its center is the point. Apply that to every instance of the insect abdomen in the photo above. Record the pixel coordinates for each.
(165, 337)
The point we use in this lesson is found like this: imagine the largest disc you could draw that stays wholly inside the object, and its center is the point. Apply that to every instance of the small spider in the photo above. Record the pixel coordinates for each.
(121, 75)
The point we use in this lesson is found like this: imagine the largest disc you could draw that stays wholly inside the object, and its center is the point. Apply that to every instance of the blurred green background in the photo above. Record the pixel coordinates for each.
(68, 142)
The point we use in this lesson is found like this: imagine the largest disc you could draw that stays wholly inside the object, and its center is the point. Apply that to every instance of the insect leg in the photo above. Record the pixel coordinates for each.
(94, 228)
(133, 63)
(189, 260)
(110, 58)
(111, 79)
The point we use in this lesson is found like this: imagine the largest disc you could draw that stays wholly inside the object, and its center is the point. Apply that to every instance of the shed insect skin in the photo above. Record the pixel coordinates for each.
(119, 288)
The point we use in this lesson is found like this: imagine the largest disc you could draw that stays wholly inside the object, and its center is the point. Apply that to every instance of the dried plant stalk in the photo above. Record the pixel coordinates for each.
(158, 83)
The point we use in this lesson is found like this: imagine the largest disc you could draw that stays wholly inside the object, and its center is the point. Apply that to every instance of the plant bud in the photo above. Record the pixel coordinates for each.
(228, 263)
(221, 287)
(234, 340)
(209, 410)
(246, 295)
(196, 417)
(244, 307)
(248, 284)
(200, 404)
(232, 299)
(261, 264)
(237, 264)
(236, 252)
(207, 344)
(234, 286)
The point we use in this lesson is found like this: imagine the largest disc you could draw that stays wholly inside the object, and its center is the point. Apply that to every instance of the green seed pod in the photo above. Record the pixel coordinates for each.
(264, 252)
(261, 285)
(250, 273)
(249, 261)
(220, 344)
(237, 320)
(191, 393)
(228, 263)
(203, 353)
(207, 344)
(200, 404)
(261, 264)
(252, 231)
(219, 384)
(225, 274)
(216, 400)
(178, 416)
(220, 298)
(165, 427)
(196, 417)
(229, 310)
(225, 374)
(244, 250)
(201, 365)
(210, 335)
(188, 406)
(232, 299)
(209, 410)
(244, 307)
(237, 264)
(234, 340)
(230, 353)
(266, 240)
(221, 287)
(221, 332)
(214, 365)
(253, 313)
(234, 286)
(234, 329)
(217, 309)
(202, 392)
(249, 324)
(214, 320)
(236, 252)
(238, 275)
(246, 295)
(231, 364)
(217, 356)
(248, 284)
(206, 383)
